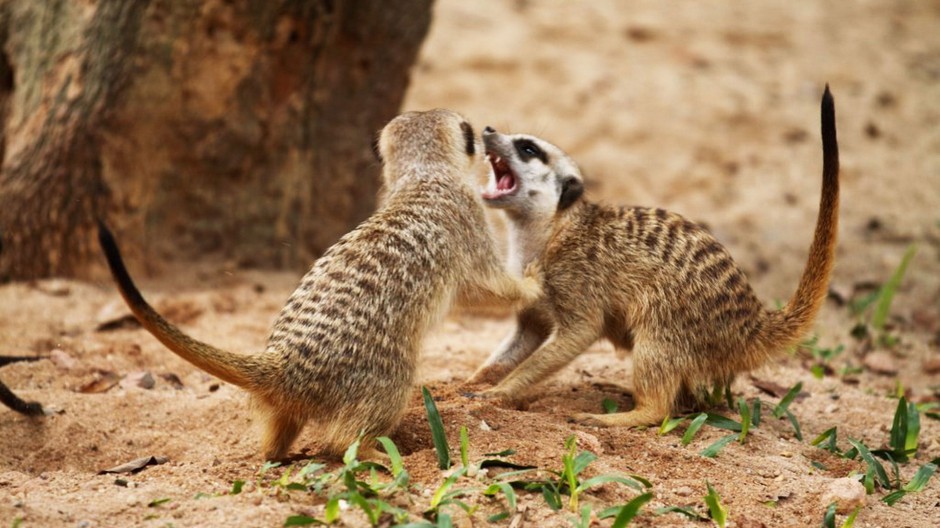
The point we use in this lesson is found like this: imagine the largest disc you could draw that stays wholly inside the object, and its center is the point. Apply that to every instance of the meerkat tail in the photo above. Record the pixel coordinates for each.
(789, 324)
(241, 370)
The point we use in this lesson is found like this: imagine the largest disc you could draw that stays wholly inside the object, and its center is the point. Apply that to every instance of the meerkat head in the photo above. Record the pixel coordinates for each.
(415, 141)
(529, 176)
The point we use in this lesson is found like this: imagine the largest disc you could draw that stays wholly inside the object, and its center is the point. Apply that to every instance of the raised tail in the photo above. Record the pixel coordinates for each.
(244, 371)
(788, 325)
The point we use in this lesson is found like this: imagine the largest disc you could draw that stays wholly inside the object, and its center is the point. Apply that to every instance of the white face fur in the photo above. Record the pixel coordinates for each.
(529, 177)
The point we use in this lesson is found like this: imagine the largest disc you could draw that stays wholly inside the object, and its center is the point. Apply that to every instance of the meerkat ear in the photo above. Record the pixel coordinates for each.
(571, 190)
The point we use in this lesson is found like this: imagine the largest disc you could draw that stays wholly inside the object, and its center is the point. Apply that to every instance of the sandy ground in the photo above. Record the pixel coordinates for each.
(710, 110)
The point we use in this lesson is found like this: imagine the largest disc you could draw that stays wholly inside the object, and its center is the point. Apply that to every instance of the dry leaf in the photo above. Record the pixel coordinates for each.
(104, 380)
(135, 465)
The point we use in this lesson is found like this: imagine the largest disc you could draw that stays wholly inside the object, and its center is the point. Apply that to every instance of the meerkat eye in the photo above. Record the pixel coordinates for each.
(527, 150)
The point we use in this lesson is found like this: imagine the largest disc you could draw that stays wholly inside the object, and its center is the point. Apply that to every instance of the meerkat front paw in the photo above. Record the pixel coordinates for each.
(532, 283)
(490, 374)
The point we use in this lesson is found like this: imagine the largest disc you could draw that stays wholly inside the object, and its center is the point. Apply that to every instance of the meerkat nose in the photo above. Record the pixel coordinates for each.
(489, 130)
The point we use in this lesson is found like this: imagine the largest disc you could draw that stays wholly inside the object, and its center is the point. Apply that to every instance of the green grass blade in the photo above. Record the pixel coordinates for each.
(850, 520)
(437, 430)
(552, 497)
(393, 455)
(352, 452)
(682, 510)
(604, 479)
(898, 436)
(585, 520)
(922, 476)
(745, 411)
(796, 425)
(300, 520)
(503, 453)
(507, 491)
(755, 413)
(669, 424)
(646, 483)
(722, 422)
(332, 509)
(464, 446)
(582, 461)
(610, 406)
(886, 295)
(913, 429)
(874, 466)
(829, 436)
(788, 398)
(894, 497)
(829, 519)
(630, 510)
(712, 450)
(445, 487)
(693, 428)
(716, 511)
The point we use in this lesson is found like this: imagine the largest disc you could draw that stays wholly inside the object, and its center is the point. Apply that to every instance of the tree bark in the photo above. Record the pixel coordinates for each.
(239, 128)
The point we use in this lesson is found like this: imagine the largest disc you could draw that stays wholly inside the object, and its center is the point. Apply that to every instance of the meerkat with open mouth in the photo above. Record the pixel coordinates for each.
(343, 351)
(647, 279)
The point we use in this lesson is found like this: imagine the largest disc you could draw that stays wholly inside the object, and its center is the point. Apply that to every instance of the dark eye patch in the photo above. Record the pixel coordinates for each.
(469, 138)
(527, 150)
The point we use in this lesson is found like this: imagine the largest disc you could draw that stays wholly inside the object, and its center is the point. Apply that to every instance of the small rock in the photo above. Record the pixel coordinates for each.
(831, 408)
(932, 365)
(684, 491)
(847, 493)
(485, 426)
(881, 362)
(63, 360)
(144, 380)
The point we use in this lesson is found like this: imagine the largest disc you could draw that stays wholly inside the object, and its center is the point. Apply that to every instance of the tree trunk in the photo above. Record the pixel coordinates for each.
(236, 128)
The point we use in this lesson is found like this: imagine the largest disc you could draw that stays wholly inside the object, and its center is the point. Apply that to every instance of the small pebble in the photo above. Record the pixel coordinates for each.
(881, 362)
(847, 493)
(684, 491)
(63, 360)
(144, 380)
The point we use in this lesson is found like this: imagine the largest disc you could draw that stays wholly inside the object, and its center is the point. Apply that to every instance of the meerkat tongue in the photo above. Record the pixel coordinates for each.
(505, 182)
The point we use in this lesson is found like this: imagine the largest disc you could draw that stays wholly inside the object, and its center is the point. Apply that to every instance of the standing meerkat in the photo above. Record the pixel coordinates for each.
(646, 279)
(343, 350)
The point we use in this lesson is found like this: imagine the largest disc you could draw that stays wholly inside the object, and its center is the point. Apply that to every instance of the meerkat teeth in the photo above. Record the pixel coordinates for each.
(646, 279)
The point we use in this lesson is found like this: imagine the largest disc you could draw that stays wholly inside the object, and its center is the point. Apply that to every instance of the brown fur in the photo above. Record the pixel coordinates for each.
(655, 283)
(343, 350)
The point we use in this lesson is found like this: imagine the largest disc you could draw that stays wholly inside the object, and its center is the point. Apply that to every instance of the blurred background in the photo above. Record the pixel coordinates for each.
(241, 131)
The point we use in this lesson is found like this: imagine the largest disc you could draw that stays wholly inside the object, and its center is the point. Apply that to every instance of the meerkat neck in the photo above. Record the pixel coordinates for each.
(527, 238)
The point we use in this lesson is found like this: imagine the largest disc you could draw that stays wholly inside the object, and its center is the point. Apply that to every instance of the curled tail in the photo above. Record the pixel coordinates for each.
(788, 325)
(241, 370)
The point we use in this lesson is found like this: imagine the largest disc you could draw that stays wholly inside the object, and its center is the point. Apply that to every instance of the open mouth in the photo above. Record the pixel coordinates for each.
(503, 177)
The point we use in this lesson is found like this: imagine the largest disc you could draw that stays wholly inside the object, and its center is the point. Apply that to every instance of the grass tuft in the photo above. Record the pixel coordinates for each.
(437, 430)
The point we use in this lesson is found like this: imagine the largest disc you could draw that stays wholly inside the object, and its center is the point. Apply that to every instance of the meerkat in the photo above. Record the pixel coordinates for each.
(646, 279)
(343, 351)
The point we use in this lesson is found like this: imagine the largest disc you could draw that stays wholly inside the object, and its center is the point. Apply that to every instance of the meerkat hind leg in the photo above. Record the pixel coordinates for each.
(656, 384)
(280, 431)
